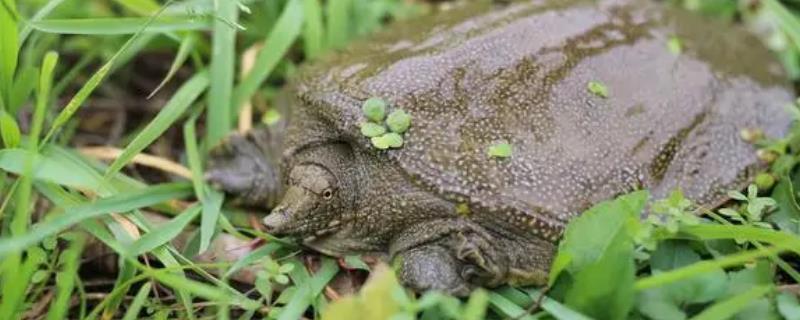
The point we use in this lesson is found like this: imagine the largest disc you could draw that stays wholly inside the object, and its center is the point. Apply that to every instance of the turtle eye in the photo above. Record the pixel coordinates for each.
(327, 194)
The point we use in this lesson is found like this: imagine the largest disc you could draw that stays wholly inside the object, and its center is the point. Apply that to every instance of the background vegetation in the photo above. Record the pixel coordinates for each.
(156, 83)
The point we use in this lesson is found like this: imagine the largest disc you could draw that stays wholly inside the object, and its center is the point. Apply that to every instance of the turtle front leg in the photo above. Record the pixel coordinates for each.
(450, 256)
(245, 166)
(432, 267)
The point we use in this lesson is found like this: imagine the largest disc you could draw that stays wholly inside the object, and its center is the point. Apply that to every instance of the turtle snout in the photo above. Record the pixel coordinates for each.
(276, 220)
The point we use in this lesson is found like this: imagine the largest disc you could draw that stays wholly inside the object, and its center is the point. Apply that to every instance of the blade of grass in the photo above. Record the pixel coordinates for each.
(164, 234)
(728, 308)
(91, 84)
(16, 276)
(276, 45)
(138, 302)
(211, 199)
(307, 289)
(39, 15)
(22, 214)
(9, 48)
(507, 308)
(338, 26)
(22, 88)
(9, 130)
(252, 257)
(119, 203)
(203, 290)
(716, 231)
(218, 120)
(313, 38)
(66, 276)
(175, 107)
(553, 307)
(703, 266)
(187, 45)
(117, 26)
(142, 7)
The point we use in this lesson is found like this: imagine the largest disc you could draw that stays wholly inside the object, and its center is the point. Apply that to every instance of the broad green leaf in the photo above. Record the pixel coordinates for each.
(72, 215)
(48, 167)
(788, 306)
(117, 26)
(276, 45)
(374, 301)
(587, 237)
(593, 292)
(175, 107)
(787, 215)
(221, 70)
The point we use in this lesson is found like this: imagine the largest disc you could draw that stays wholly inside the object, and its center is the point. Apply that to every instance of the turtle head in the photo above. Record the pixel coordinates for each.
(319, 190)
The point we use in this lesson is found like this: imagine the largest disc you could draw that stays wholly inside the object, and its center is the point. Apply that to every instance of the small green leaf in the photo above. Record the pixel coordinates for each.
(675, 46)
(380, 143)
(398, 121)
(500, 150)
(374, 109)
(371, 129)
(598, 88)
(271, 117)
(394, 140)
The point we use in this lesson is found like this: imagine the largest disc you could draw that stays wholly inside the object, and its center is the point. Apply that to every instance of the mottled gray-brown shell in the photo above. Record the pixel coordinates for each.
(520, 74)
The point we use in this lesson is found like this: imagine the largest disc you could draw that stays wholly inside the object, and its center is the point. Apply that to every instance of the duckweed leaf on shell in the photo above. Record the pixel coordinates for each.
(398, 121)
(374, 109)
(500, 150)
(380, 143)
(598, 89)
(372, 130)
(394, 140)
(675, 46)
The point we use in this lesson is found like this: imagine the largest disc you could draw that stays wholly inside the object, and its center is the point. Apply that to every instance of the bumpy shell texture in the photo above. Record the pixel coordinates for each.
(518, 73)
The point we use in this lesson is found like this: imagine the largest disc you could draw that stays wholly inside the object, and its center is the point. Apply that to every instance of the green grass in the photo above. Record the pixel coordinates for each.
(59, 57)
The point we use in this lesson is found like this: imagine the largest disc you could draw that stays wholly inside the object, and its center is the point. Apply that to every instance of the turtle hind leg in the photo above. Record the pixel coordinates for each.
(244, 166)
